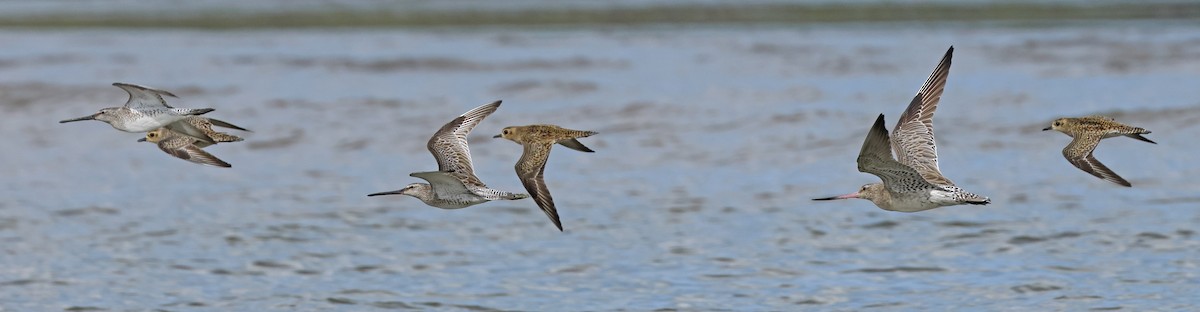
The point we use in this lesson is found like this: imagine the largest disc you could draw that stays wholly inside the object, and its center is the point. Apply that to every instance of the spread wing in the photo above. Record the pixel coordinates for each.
(529, 170)
(912, 139)
(222, 123)
(575, 145)
(182, 147)
(1079, 153)
(876, 158)
(445, 184)
(449, 144)
(144, 98)
(184, 127)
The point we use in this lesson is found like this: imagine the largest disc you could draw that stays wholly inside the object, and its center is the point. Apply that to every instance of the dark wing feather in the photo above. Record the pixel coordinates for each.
(1079, 153)
(449, 144)
(189, 152)
(913, 139)
(222, 123)
(575, 145)
(876, 158)
(529, 169)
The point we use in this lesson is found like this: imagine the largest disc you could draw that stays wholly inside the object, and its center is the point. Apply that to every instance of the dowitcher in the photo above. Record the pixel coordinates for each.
(537, 140)
(454, 185)
(912, 181)
(1086, 133)
(146, 110)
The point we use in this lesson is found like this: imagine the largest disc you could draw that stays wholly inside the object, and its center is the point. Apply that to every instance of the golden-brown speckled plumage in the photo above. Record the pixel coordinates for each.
(537, 140)
(189, 148)
(1087, 133)
(205, 125)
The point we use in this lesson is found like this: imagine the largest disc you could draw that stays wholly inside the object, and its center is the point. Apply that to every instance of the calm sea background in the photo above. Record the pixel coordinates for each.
(718, 123)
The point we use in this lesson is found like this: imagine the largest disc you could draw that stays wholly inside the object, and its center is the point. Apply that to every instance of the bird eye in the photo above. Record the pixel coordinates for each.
(505, 131)
(151, 135)
(1057, 123)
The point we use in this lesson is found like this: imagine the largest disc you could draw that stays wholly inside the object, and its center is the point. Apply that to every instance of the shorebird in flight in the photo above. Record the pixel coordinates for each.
(146, 110)
(912, 181)
(537, 140)
(454, 185)
(190, 148)
(1086, 133)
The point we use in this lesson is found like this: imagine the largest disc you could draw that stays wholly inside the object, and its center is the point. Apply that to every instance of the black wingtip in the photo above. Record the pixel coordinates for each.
(201, 111)
(1139, 137)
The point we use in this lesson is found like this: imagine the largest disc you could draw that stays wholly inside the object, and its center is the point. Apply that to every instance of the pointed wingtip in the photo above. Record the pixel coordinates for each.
(1139, 137)
(123, 86)
(876, 144)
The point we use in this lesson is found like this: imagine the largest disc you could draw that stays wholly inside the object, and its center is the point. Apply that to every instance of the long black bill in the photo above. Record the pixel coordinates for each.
(396, 192)
(88, 117)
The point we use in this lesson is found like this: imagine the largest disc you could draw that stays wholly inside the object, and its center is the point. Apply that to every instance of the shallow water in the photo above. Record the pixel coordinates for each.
(712, 142)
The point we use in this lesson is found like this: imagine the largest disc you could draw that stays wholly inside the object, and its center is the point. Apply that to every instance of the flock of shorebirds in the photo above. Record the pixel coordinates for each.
(911, 181)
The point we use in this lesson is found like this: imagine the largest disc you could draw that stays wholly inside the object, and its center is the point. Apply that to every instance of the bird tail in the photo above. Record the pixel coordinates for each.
(582, 133)
(973, 199)
(977, 201)
(1137, 134)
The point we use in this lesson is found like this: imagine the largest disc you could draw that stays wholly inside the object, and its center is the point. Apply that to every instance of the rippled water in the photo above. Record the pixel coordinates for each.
(712, 142)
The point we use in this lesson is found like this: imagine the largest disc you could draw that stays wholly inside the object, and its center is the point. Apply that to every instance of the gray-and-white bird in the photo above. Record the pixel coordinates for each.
(145, 111)
(454, 185)
(912, 181)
